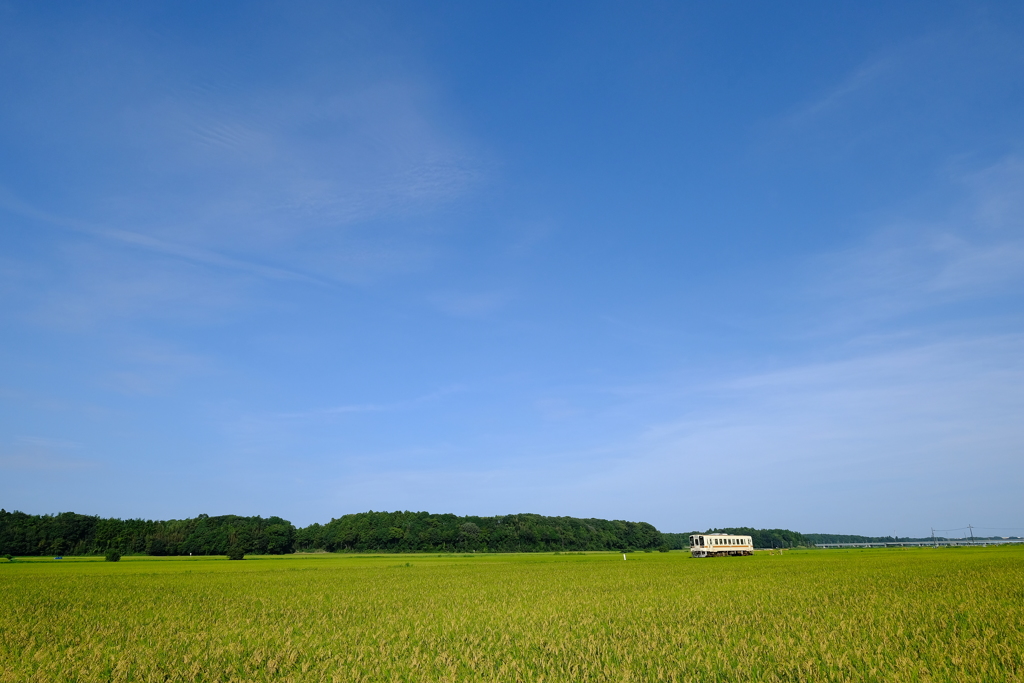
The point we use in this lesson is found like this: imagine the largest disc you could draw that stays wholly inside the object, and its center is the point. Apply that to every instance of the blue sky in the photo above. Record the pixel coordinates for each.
(746, 264)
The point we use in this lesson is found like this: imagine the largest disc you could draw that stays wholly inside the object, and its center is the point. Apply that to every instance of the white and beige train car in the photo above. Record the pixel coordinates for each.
(720, 545)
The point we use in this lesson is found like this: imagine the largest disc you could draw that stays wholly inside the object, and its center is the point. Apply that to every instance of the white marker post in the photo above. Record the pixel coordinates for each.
(623, 556)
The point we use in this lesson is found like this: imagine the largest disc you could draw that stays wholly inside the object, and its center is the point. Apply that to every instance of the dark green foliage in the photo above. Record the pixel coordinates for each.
(763, 538)
(235, 552)
(663, 548)
(425, 532)
(72, 534)
(849, 538)
(112, 556)
(10, 558)
(677, 541)
(157, 546)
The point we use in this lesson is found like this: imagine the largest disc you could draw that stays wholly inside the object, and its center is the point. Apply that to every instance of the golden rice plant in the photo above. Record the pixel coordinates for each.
(865, 615)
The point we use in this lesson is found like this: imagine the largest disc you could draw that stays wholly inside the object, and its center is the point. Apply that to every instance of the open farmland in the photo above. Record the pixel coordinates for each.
(864, 615)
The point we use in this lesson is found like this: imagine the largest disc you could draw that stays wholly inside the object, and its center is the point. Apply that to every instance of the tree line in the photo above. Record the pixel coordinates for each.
(69, 533)
(72, 534)
(852, 538)
(762, 538)
(426, 532)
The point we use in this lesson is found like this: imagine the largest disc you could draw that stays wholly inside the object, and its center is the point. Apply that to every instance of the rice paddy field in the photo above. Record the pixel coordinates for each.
(953, 614)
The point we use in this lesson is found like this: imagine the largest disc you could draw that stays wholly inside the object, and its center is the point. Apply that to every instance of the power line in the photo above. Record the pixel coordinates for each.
(984, 528)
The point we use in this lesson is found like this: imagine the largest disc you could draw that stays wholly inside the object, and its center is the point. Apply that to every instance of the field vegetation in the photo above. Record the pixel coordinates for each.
(398, 532)
(762, 538)
(807, 615)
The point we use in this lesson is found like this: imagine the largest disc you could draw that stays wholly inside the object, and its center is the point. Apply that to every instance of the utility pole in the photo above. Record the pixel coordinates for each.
(934, 542)
(972, 533)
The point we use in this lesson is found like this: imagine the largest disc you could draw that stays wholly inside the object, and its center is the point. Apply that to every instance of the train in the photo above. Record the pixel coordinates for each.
(720, 545)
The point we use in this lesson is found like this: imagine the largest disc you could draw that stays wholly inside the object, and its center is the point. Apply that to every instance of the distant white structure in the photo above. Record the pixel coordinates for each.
(720, 545)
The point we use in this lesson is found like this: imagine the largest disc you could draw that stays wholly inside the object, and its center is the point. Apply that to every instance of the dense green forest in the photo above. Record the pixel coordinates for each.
(762, 538)
(851, 538)
(424, 532)
(72, 534)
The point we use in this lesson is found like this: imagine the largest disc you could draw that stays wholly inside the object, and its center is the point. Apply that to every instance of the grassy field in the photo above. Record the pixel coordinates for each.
(863, 615)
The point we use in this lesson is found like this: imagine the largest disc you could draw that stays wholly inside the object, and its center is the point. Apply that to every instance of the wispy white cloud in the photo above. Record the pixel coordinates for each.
(192, 254)
(350, 408)
(556, 408)
(901, 409)
(282, 165)
(43, 454)
(888, 433)
(862, 78)
(977, 251)
(147, 367)
(49, 443)
(85, 284)
(310, 182)
(470, 304)
(889, 420)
